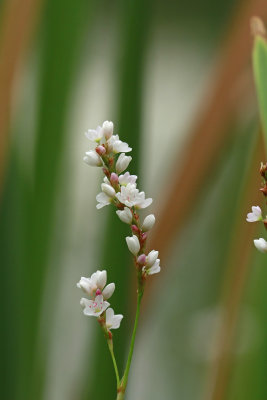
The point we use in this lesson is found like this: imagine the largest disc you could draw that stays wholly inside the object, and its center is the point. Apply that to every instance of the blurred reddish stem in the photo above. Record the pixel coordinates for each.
(209, 132)
(17, 22)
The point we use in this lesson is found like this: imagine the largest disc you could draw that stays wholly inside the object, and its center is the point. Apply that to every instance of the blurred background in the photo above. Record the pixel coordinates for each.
(176, 79)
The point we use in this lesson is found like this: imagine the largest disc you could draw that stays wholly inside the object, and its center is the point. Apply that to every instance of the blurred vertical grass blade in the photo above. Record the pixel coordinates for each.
(135, 19)
(260, 74)
(237, 272)
(11, 242)
(62, 32)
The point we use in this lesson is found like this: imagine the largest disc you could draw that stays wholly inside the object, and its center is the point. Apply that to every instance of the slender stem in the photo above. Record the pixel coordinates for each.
(128, 364)
(110, 346)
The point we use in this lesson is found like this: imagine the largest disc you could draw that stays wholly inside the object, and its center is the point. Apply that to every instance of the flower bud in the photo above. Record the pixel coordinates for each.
(114, 179)
(148, 223)
(102, 279)
(108, 129)
(100, 150)
(122, 163)
(134, 228)
(125, 215)
(261, 245)
(151, 257)
(141, 260)
(133, 244)
(109, 190)
(92, 158)
(108, 291)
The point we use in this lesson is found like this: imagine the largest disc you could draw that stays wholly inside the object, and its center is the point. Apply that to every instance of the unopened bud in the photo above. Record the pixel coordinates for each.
(108, 129)
(108, 190)
(114, 179)
(141, 260)
(100, 150)
(133, 244)
(144, 236)
(148, 223)
(134, 228)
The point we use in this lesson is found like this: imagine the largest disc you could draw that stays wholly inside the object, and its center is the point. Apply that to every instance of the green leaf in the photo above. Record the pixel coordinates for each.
(260, 74)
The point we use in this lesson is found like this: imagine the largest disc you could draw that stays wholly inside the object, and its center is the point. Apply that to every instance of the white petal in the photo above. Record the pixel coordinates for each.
(144, 204)
(151, 258)
(116, 321)
(155, 268)
(261, 245)
(125, 215)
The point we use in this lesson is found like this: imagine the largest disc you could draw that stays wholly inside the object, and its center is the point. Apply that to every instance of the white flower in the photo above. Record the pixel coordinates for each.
(151, 257)
(113, 321)
(103, 200)
(255, 215)
(125, 215)
(94, 307)
(133, 244)
(96, 281)
(108, 190)
(261, 245)
(127, 178)
(154, 269)
(95, 135)
(92, 158)
(122, 163)
(131, 197)
(108, 291)
(148, 223)
(107, 129)
(117, 146)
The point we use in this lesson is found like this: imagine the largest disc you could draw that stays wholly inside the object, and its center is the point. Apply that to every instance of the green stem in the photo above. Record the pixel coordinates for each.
(110, 346)
(124, 380)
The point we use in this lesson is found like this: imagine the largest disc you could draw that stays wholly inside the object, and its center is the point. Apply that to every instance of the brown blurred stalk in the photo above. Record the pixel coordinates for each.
(17, 22)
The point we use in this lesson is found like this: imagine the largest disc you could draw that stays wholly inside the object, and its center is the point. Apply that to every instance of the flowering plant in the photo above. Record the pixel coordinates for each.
(120, 189)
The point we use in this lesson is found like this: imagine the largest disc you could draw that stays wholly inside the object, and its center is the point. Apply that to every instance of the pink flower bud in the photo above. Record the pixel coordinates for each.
(141, 260)
(134, 228)
(114, 179)
(144, 236)
(100, 150)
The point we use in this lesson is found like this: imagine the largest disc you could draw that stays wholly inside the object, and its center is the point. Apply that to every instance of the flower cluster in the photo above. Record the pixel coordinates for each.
(95, 287)
(120, 189)
(256, 214)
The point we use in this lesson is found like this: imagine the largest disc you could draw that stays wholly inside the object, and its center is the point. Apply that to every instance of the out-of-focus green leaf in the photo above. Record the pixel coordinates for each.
(260, 74)
(61, 34)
